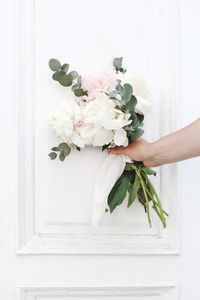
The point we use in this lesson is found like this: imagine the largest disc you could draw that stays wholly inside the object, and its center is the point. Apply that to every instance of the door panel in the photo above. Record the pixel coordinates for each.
(48, 248)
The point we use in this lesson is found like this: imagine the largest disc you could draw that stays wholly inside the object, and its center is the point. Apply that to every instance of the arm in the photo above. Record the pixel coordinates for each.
(174, 147)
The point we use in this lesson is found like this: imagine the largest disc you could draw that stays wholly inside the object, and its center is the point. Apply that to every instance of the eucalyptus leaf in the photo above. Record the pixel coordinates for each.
(136, 134)
(133, 118)
(140, 117)
(65, 68)
(119, 190)
(134, 190)
(117, 62)
(55, 149)
(120, 89)
(62, 146)
(131, 104)
(74, 87)
(54, 64)
(52, 155)
(66, 80)
(79, 81)
(80, 92)
(74, 74)
(113, 94)
(57, 75)
(66, 151)
(61, 156)
(128, 91)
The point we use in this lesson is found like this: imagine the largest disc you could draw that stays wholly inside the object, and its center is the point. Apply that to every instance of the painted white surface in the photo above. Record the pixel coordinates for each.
(180, 274)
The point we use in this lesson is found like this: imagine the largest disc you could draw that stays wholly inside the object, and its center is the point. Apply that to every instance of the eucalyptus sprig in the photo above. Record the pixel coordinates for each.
(67, 79)
(126, 102)
(63, 149)
(117, 64)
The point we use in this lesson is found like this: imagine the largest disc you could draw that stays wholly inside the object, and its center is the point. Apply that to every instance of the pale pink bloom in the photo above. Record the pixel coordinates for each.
(100, 82)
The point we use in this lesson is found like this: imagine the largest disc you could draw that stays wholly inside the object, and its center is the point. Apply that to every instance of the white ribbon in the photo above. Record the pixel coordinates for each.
(111, 169)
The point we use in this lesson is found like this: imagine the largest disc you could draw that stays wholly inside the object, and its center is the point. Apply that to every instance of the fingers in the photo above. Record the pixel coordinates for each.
(118, 150)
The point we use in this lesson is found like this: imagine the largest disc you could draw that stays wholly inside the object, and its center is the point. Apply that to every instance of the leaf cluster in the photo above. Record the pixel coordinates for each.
(135, 181)
(117, 64)
(126, 102)
(66, 78)
(63, 149)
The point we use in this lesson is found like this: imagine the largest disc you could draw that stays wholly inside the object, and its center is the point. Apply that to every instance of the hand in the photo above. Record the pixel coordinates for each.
(138, 150)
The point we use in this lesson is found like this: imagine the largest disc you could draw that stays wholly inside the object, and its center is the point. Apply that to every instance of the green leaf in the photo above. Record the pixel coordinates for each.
(66, 80)
(74, 74)
(140, 117)
(79, 81)
(66, 151)
(134, 190)
(120, 89)
(149, 171)
(54, 64)
(74, 87)
(119, 190)
(105, 147)
(112, 94)
(131, 104)
(55, 149)
(57, 75)
(61, 156)
(117, 62)
(136, 134)
(128, 91)
(80, 92)
(133, 118)
(65, 68)
(62, 146)
(52, 155)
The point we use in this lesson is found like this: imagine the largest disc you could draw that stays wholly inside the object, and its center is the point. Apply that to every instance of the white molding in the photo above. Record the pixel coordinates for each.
(95, 241)
(168, 291)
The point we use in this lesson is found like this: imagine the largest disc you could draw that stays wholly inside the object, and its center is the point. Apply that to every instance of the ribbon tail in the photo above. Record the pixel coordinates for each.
(110, 170)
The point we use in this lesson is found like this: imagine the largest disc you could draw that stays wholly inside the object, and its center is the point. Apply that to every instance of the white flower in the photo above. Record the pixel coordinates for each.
(120, 138)
(64, 119)
(101, 120)
(141, 89)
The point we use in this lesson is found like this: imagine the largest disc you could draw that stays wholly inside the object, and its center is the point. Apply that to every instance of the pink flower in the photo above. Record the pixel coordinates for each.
(99, 82)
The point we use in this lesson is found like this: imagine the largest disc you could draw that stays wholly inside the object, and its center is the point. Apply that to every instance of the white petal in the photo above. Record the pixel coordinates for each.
(120, 138)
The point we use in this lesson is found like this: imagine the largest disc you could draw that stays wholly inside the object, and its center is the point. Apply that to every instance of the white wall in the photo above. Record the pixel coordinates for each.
(58, 270)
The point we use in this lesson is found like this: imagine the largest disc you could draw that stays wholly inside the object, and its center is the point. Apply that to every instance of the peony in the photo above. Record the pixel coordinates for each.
(120, 138)
(141, 89)
(96, 83)
(102, 120)
(64, 118)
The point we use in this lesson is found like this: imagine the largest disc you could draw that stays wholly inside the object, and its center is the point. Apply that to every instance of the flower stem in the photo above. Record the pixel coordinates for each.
(157, 198)
(145, 194)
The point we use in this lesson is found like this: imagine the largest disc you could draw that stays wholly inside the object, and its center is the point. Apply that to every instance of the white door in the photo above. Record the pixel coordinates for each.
(48, 249)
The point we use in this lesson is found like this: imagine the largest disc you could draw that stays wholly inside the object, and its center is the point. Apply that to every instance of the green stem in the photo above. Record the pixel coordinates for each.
(157, 198)
(145, 194)
(156, 203)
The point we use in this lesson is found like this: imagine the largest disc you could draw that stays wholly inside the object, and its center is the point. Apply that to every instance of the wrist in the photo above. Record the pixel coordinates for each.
(152, 158)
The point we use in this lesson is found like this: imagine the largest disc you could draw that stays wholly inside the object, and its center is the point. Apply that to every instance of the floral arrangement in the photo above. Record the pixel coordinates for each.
(106, 110)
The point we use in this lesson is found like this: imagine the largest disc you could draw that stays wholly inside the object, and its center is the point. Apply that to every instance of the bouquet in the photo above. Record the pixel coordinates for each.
(106, 110)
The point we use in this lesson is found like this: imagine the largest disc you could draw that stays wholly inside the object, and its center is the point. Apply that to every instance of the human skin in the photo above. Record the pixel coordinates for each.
(177, 146)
